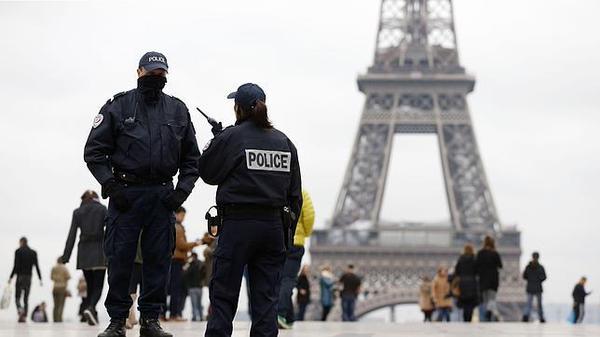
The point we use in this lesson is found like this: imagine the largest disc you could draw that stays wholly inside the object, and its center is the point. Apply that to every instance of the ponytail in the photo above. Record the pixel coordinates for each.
(258, 114)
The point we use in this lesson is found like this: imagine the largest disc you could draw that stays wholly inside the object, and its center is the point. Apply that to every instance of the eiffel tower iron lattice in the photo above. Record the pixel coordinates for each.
(415, 85)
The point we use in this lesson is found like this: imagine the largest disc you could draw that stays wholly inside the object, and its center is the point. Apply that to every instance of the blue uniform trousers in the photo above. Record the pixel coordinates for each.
(157, 242)
(255, 241)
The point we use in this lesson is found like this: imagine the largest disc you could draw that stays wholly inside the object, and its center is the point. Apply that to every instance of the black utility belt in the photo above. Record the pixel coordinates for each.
(248, 209)
(133, 179)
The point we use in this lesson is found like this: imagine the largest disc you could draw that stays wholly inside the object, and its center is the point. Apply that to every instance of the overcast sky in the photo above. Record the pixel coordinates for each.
(535, 108)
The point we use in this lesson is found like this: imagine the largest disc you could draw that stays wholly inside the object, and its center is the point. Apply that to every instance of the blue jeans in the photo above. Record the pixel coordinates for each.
(443, 314)
(289, 278)
(348, 305)
(196, 298)
(529, 306)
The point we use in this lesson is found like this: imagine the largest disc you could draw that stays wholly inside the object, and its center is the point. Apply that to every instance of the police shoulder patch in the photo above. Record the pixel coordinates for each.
(97, 120)
(266, 160)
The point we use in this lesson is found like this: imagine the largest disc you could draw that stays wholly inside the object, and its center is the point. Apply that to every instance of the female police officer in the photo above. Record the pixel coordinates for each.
(256, 169)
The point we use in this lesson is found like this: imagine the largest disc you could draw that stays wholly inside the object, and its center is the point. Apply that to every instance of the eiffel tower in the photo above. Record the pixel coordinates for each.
(415, 85)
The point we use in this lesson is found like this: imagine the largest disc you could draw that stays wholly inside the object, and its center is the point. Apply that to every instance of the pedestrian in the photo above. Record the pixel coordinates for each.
(289, 278)
(194, 276)
(579, 295)
(303, 292)
(465, 275)
(535, 275)
(39, 315)
(135, 282)
(425, 299)
(259, 196)
(211, 245)
(177, 291)
(60, 276)
(139, 140)
(350, 290)
(88, 219)
(440, 292)
(326, 284)
(82, 292)
(25, 260)
(488, 263)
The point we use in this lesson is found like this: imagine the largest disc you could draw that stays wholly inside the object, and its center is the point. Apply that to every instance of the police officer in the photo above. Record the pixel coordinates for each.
(256, 169)
(140, 139)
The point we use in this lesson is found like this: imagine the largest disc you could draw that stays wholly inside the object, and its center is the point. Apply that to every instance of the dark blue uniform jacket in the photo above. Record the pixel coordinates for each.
(253, 166)
(157, 141)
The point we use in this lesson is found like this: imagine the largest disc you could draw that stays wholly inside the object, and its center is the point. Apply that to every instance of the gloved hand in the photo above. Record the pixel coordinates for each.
(217, 127)
(114, 191)
(175, 199)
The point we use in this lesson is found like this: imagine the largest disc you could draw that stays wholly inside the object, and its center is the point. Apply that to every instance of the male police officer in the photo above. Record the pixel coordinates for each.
(138, 142)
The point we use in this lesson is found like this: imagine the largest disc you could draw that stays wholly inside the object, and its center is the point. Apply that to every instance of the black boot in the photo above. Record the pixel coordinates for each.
(150, 327)
(525, 318)
(116, 328)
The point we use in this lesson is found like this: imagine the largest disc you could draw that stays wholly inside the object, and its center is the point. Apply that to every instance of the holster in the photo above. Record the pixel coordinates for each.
(214, 221)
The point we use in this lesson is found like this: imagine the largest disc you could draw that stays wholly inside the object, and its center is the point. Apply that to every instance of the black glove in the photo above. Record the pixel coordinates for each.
(114, 191)
(217, 127)
(175, 199)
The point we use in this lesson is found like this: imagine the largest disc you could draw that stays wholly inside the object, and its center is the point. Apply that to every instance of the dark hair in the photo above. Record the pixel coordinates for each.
(489, 243)
(180, 209)
(350, 266)
(89, 195)
(23, 240)
(535, 255)
(258, 114)
(468, 250)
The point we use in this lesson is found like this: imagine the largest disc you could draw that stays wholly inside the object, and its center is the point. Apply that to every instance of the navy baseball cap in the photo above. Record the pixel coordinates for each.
(247, 95)
(154, 60)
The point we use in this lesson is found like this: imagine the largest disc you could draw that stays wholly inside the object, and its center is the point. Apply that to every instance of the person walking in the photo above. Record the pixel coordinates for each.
(194, 276)
(88, 219)
(440, 292)
(139, 140)
(82, 292)
(25, 260)
(303, 292)
(465, 274)
(211, 245)
(579, 295)
(535, 275)
(177, 291)
(259, 196)
(326, 283)
(60, 276)
(289, 278)
(350, 291)
(488, 263)
(425, 299)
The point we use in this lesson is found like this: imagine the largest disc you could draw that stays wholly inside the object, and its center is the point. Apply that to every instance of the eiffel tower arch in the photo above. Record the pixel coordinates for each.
(415, 85)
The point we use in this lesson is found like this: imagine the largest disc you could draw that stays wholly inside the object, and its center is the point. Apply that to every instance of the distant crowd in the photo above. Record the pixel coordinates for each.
(474, 283)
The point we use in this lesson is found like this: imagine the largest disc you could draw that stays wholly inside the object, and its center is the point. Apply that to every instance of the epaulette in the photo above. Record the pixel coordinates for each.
(177, 99)
(110, 100)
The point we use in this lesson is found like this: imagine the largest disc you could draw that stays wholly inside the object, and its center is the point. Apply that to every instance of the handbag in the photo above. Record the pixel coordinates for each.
(6, 296)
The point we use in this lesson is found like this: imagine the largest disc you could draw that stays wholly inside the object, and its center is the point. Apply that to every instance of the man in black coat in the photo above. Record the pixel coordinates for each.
(25, 260)
(535, 275)
(89, 220)
(579, 295)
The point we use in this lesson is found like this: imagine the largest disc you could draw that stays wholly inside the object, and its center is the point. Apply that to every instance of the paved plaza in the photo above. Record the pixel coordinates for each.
(313, 329)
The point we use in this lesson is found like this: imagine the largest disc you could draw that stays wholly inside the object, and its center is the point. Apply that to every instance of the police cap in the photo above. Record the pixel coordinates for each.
(154, 60)
(247, 95)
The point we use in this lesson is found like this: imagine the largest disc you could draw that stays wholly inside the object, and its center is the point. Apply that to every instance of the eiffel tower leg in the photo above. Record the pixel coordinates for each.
(362, 190)
(469, 196)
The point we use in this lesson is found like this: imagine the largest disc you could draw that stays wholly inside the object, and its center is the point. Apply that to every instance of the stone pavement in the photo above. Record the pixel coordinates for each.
(319, 329)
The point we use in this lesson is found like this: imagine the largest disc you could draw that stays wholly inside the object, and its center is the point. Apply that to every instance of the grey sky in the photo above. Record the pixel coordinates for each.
(534, 107)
